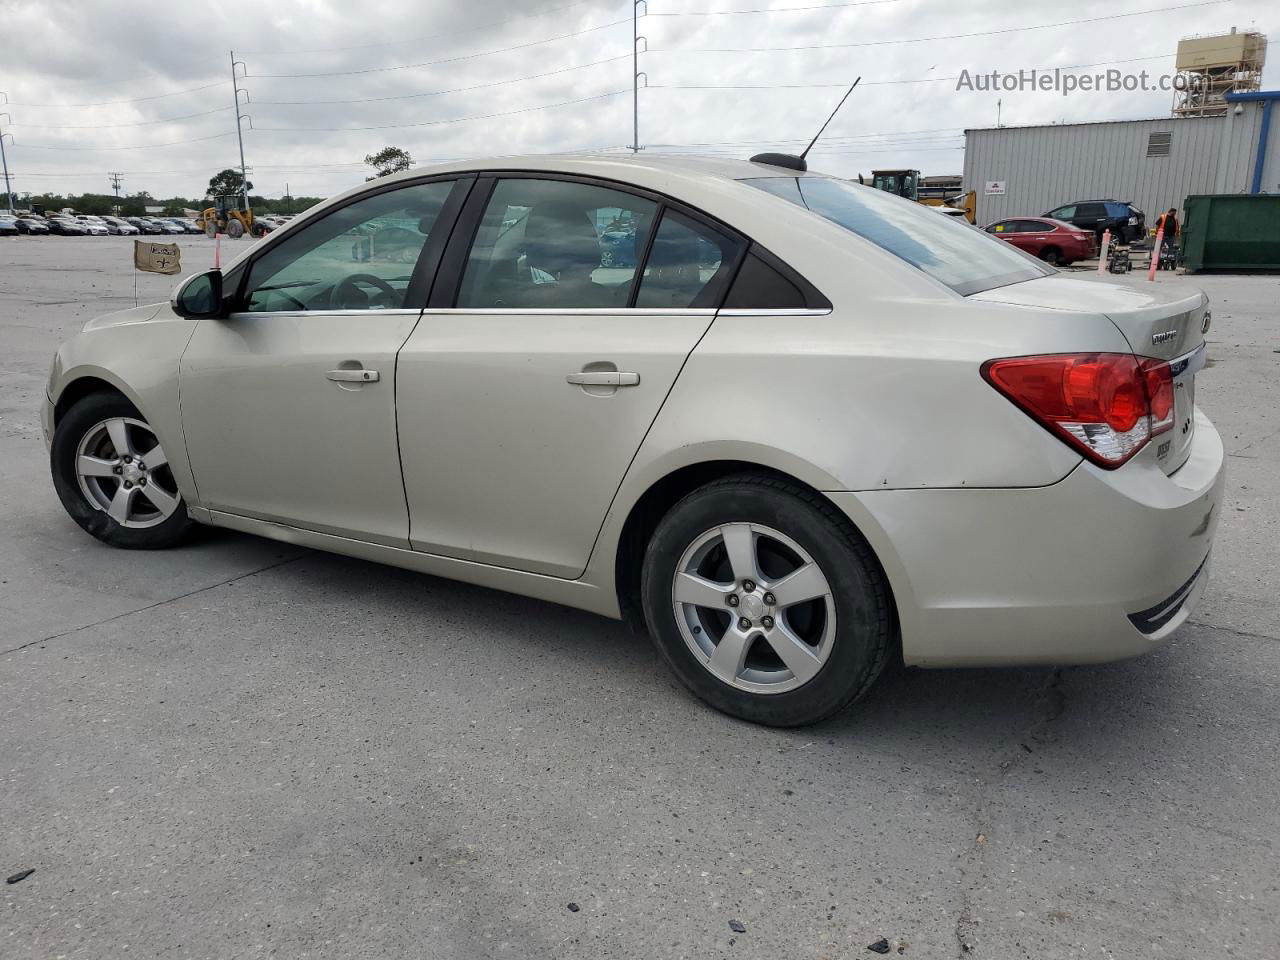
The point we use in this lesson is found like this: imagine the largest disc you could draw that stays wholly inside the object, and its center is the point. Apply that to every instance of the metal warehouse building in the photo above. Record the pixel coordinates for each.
(1155, 164)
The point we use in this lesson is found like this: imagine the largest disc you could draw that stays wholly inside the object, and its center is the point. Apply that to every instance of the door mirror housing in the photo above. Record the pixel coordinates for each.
(199, 297)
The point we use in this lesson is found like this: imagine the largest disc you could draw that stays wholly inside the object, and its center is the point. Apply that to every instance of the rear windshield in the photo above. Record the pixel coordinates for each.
(947, 249)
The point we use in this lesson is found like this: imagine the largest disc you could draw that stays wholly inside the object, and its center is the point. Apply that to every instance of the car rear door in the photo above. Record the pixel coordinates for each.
(545, 355)
(288, 404)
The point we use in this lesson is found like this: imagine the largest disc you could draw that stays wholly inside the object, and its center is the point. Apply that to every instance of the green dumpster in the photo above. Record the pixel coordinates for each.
(1231, 231)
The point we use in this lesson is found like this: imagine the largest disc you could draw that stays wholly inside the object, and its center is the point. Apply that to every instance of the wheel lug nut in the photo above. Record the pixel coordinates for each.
(770, 599)
(748, 585)
(128, 459)
(744, 623)
(767, 623)
(116, 470)
(732, 600)
(128, 485)
(142, 481)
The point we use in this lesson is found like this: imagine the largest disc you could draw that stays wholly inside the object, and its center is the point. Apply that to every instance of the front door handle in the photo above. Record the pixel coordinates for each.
(604, 378)
(358, 375)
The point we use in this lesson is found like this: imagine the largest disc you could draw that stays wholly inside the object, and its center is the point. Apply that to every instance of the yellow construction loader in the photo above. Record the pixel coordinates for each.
(227, 216)
(931, 191)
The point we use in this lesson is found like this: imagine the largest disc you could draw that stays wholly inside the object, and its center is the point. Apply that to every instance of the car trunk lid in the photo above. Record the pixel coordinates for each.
(1166, 321)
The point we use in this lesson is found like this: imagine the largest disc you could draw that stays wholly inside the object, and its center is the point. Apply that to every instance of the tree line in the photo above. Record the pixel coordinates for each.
(223, 183)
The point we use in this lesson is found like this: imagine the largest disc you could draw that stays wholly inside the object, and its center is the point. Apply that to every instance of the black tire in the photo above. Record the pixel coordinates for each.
(864, 621)
(1051, 256)
(83, 417)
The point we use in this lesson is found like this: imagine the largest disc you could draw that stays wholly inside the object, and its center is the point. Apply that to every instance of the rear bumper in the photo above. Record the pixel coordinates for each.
(1100, 566)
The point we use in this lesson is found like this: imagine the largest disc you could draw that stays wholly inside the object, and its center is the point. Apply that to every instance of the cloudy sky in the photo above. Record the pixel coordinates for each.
(144, 88)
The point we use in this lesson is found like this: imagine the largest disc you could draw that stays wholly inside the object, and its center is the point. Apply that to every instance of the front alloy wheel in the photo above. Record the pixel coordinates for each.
(113, 476)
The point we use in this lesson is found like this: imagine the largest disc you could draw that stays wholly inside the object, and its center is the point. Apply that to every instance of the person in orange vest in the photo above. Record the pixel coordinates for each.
(1170, 223)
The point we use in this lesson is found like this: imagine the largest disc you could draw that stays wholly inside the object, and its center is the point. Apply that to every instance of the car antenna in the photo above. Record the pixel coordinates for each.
(798, 163)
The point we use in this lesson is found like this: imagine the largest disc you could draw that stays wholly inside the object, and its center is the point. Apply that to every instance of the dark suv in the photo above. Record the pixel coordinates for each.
(1125, 221)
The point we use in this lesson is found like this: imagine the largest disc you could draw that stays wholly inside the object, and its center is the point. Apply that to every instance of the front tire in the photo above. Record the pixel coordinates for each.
(114, 479)
(765, 601)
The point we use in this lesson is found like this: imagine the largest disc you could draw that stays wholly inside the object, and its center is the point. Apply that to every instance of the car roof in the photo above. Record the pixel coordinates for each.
(663, 173)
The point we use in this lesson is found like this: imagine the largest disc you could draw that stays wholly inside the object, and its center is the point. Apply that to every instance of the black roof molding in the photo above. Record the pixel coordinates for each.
(785, 160)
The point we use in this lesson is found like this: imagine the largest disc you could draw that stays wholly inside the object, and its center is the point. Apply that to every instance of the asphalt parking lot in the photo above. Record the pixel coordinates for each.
(241, 749)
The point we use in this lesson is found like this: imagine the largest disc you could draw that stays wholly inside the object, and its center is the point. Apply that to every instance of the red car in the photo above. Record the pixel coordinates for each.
(1053, 241)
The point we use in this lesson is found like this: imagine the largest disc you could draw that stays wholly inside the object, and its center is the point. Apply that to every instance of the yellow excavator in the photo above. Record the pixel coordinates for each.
(227, 216)
(931, 191)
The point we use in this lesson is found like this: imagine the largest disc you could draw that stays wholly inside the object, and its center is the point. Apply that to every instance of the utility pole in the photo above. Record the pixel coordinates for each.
(244, 176)
(115, 185)
(4, 161)
(635, 71)
(288, 200)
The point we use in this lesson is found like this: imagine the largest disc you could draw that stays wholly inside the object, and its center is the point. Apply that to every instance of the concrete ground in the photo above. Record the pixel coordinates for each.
(240, 749)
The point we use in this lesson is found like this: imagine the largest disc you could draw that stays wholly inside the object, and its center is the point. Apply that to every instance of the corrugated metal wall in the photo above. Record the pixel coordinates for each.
(1045, 167)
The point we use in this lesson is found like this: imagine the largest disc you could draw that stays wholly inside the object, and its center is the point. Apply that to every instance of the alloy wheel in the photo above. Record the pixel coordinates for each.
(123, 472)
(754, 607)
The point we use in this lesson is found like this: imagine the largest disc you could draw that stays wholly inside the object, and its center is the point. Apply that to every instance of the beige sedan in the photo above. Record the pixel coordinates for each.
(796, 426)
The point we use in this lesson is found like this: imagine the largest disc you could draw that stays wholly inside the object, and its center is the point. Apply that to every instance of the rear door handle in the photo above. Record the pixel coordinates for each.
(353, 376)
(604, 378)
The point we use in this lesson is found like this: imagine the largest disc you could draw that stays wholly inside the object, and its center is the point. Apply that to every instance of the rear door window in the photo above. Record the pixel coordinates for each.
(689, 265)
(556, 244)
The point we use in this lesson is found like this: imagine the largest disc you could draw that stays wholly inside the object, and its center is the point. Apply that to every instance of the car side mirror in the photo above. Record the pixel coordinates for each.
(199, 297)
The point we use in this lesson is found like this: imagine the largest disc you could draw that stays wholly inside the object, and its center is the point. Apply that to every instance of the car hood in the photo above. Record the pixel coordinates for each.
(132, 315)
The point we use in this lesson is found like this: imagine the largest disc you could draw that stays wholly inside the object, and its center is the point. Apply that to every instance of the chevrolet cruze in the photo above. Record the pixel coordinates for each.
(795, 425)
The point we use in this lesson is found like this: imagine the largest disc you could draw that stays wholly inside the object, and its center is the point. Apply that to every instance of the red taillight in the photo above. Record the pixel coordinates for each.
(1106, 405)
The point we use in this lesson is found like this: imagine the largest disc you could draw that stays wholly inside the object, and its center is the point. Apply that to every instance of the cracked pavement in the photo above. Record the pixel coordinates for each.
(243, 749)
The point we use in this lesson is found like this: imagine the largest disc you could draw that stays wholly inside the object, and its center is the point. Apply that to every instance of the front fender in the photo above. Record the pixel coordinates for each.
(140, 360)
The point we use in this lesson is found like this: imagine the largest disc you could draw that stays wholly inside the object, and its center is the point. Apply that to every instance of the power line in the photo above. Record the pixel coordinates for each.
(423, 37)
(140, 146)
(112, 126)
(949, 36)
(107, 103)
(433, 123)
(436, 93)
(469, 56)
(734, 13)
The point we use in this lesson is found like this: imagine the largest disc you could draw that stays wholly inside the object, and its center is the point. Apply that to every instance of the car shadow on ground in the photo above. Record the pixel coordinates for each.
(994, 711)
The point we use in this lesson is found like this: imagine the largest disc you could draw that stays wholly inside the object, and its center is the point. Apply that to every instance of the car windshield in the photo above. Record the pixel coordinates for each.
(966, 260)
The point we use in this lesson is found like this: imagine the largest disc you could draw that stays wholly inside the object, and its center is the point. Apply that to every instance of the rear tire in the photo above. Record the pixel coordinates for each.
(1051, 256)
(235, 229)
(784, 659)
(100, 447)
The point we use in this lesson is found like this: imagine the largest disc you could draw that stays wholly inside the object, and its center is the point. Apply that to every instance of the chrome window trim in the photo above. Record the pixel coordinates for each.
(411, 312)
(574, 311)
(776, 312)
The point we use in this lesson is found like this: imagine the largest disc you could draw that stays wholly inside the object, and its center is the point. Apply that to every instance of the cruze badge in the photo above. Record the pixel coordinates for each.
(1164, 336)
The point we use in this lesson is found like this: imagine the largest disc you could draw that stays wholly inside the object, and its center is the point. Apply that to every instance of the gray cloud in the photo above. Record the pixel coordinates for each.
(89, 51)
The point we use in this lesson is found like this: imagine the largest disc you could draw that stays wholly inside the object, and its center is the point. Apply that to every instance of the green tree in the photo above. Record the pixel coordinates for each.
(387, 161)
(135, 204)
(227, 183)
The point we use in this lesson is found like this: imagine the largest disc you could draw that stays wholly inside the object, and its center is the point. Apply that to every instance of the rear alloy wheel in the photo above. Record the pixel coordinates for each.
(765, 601)
(113, 477)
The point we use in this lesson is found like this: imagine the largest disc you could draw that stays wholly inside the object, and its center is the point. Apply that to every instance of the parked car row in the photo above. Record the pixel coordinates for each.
(84, 224)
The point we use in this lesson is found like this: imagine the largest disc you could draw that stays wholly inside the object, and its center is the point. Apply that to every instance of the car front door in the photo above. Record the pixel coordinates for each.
(523, 398)
(288, 404)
